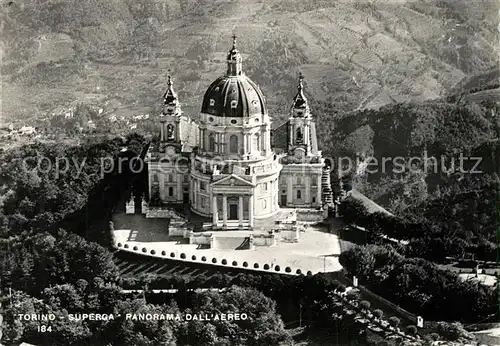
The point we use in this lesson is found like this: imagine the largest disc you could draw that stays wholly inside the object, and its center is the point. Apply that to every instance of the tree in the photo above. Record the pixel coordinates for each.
(358, 261)
(64, 296)
(139, 332)
(364, 304)
(352, 211)
(262, 327)
(394, 321)
(15, 330)
(378, 313)
(453, 331)
(411, 330)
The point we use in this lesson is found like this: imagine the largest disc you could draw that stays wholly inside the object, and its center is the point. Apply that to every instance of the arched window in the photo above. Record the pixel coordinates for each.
(233, 144)
(299, 194)
(170, 131)
(211, 142)
(170, 191)
(298, 135)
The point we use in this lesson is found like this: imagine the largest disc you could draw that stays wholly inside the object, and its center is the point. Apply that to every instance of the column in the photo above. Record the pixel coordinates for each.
(177, 130)
(199, 138)
(161, 186)
(290, 134)
(162, 133)
(240, 210)
(195, 195)
(307, 186)
(263, 139)
(245, 147)
(215, 208)
(180, 178)
(289, 193)
(306, 134)
(250, 210)
(150, 183)
(248, 144)
(224, 211)
(318, 191)
(191, 193)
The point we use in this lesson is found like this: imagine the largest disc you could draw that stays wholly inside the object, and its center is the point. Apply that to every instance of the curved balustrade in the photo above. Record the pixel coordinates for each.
(214, 260)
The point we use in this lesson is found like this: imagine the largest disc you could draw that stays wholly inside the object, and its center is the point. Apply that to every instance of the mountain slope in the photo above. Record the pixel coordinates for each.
(357, 54)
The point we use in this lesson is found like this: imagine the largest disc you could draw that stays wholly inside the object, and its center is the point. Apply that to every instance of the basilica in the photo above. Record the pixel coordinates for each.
(226, 165)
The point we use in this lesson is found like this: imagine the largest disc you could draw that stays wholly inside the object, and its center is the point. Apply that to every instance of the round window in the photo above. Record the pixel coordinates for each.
(233, 121)
(210, 119)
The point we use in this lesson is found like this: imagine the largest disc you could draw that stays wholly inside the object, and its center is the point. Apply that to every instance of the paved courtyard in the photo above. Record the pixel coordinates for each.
(316, 251)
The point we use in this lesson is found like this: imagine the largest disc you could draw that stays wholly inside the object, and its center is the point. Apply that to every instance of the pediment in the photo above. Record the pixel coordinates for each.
(232, 180)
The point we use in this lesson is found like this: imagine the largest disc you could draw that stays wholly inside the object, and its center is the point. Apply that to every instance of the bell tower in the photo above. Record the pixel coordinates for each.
(170, 116)
(299, 124)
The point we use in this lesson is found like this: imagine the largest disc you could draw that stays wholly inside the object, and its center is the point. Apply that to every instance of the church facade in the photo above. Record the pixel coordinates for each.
(224, 165)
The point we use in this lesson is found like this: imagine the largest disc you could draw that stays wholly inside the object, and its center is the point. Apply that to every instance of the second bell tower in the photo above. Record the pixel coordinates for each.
(299, 125)
(170, 117)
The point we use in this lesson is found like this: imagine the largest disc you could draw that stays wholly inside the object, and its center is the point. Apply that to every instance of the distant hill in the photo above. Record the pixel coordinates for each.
(444, 130)
(116, 54)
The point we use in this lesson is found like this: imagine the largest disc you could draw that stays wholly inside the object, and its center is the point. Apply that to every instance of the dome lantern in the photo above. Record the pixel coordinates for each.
(234, 61)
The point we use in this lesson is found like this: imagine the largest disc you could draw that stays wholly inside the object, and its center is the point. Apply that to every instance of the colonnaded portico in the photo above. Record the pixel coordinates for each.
(232, 210)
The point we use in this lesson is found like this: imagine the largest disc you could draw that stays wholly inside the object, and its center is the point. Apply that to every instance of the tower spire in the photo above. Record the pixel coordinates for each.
(300, 100)
(170, 96)
(234, 41)
(171, 103)
(301, 84)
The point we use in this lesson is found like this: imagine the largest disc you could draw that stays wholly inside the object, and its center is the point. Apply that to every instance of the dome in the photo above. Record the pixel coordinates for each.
(233, 96)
